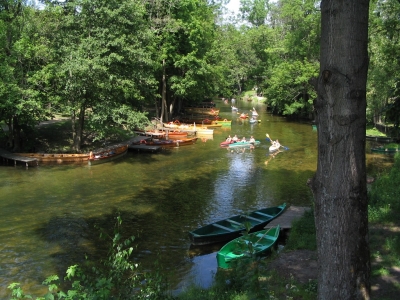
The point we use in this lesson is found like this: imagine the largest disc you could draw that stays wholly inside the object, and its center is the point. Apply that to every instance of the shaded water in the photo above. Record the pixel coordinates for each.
(48, 213)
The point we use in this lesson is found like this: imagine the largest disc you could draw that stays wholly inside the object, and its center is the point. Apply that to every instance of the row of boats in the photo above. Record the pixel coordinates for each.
(243, 234)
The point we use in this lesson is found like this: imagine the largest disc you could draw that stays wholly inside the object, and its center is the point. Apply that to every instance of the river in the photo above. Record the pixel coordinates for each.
(48, 213)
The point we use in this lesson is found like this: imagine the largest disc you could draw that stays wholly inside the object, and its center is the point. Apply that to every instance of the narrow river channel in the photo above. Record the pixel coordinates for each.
(48, 213)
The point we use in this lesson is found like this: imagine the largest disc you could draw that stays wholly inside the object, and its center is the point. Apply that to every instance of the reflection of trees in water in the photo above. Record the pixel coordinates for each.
(272, 155)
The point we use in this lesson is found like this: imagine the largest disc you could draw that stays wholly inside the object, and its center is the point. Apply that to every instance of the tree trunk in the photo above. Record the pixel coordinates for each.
(339, 186)
(164, 94)
(77, 129)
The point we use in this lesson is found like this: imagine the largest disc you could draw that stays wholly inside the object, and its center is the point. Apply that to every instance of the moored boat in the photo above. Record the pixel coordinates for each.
(56, 157)
(107, 155)
(223, 122)
(250, 246)
(176, 134)
(168, 143)
(385, 150)
(201, 110)
(381, 139)
(230, 228)
(154, 133)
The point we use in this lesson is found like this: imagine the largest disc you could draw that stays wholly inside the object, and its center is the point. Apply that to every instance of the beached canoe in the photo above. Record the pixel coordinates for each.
(107, 155)
(385, 150)
(232, 227)
(250, 246)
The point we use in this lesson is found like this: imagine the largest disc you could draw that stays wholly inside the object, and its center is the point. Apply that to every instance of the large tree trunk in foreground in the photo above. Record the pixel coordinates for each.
(339, 186)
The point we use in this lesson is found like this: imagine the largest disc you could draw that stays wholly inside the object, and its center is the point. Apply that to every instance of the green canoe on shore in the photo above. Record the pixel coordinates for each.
(251, 245)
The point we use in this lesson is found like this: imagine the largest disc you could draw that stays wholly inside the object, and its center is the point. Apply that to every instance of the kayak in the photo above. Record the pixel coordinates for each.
(274, 148)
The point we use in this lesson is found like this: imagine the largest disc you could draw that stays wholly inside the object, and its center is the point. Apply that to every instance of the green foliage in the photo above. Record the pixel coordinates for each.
(383, 205)
(302, 234)
(383, 76)
(117, 278)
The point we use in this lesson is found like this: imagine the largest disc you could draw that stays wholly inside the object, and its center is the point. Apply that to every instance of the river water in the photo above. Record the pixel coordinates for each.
(48, 213)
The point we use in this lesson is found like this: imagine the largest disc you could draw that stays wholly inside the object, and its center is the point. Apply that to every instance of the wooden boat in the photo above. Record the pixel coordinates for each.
(202, 121)
(215, 125)
(250, 246)
(244, 144)
(176, 134)
(56, 158)
(223, 122)
(382, 139)
(154, 133)
(107, 155)
(203, 130)
(201, 110)
(169, 143)
(231, 228)
(385, 150)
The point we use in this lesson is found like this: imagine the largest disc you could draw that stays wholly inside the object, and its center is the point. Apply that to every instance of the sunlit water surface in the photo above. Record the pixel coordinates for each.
(48, 213)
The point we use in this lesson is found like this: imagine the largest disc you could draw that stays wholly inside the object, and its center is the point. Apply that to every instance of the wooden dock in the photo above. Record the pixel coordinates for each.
(287, 217)
(16, 158)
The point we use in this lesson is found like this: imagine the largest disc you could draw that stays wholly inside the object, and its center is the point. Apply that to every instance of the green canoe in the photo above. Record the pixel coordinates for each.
(243, 144)
(251, 246)
(385, 150)
(232, 227)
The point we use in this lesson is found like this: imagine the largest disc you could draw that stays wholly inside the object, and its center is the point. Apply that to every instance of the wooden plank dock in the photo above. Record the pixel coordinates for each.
(287, 217)
(16, 158)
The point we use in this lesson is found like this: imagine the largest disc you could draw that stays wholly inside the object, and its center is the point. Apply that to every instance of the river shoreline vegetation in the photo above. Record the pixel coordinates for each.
(110, 65)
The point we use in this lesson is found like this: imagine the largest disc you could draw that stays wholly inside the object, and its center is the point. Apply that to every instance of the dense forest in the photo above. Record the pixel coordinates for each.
(105, 64)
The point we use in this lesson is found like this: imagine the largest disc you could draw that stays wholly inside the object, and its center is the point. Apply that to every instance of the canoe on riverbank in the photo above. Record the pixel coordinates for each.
(231, 228)
(250, 246)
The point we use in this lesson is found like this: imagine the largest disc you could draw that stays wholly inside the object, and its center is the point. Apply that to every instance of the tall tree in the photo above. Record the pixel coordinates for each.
(339, 186)
(185, 32)
(23, 52)
(104, 67)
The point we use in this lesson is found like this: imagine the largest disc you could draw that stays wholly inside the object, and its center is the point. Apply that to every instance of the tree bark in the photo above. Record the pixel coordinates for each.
(339, 186)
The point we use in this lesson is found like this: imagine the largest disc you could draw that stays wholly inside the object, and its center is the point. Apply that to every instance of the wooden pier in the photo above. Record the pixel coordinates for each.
(287, 217)
(16, 158)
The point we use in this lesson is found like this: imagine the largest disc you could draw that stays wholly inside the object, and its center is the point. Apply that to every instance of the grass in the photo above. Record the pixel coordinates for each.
(371, 130)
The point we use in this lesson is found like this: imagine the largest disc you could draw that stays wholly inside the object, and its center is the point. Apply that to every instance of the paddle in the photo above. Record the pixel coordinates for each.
(269, 139)
(263, 236)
